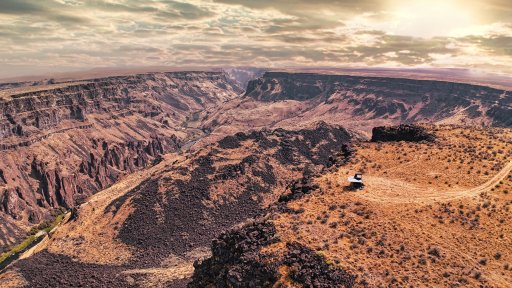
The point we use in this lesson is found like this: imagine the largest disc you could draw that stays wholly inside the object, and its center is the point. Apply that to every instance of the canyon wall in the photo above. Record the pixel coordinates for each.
(62, 142)
(404, 100)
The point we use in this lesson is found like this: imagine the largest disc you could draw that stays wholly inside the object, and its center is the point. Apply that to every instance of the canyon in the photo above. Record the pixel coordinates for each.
(156, 165)
(60, 143)
(359, 103)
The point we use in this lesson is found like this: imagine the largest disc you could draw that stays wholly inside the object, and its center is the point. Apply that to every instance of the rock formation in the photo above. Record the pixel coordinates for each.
(62, 142)
(238, 261)
(405, 100)
(410, 133)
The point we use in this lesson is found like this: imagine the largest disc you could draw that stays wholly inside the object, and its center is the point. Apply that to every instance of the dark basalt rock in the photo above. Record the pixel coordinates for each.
(324, 139)
(47, 270)
(311, 270)
(235, 261)
(186, 221)
(232, 141)
(2, 177)
(187, 216)
(229, 142)
(230, 172)
(298, 189)
(410, 133)
(266, 174)
(341, 158)
(503, 115)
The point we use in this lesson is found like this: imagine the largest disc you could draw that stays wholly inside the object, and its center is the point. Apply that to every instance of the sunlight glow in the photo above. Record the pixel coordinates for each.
(429, 18)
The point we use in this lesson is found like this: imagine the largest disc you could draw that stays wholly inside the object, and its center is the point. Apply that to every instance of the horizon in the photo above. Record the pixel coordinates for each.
(459, 75)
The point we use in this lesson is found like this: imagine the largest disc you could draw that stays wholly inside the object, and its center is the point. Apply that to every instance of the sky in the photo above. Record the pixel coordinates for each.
(45, 36)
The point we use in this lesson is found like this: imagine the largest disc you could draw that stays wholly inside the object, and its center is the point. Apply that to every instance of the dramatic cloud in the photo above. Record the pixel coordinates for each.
(62, 35)
(19, 7)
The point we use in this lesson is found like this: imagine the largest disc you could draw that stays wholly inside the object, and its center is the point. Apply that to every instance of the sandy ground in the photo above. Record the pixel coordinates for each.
(396, 191)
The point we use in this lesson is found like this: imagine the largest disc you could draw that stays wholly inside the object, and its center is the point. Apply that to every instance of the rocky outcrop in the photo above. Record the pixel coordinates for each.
(312, 270)
(126, 157)
(2, 177)
(237, 261)
(41, 270)
(404, 100)
(409, 133)
(211, 191)
(298, 189)
(12, 203)
(56, 188)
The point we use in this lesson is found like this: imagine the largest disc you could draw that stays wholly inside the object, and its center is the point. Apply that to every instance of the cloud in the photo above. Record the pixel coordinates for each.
(496, 10)
(17, 7)
(185, 10)
(44, 9)
(129, 6)
(495, 44)
(304, 5)
(47, 35)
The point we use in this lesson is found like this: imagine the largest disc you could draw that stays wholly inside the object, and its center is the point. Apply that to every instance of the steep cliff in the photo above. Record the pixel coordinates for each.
(394, 99)
(62, 142)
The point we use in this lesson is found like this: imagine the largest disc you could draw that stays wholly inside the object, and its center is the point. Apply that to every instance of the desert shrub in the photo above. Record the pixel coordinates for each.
(434, 251)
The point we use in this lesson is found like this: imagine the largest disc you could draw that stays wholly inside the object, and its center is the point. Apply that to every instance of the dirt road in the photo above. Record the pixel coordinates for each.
(387, 190)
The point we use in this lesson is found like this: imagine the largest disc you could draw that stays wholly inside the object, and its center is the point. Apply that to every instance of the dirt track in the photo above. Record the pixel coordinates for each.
(387, 190)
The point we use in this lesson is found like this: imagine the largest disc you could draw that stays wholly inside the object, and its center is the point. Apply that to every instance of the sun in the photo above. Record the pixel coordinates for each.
(430, 18)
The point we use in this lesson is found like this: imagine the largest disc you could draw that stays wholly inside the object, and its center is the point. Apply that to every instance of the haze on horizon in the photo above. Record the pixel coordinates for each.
(49, 36)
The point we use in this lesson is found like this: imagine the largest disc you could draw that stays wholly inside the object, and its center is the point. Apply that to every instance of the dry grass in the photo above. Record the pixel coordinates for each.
(12, 279)
(445, 242)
